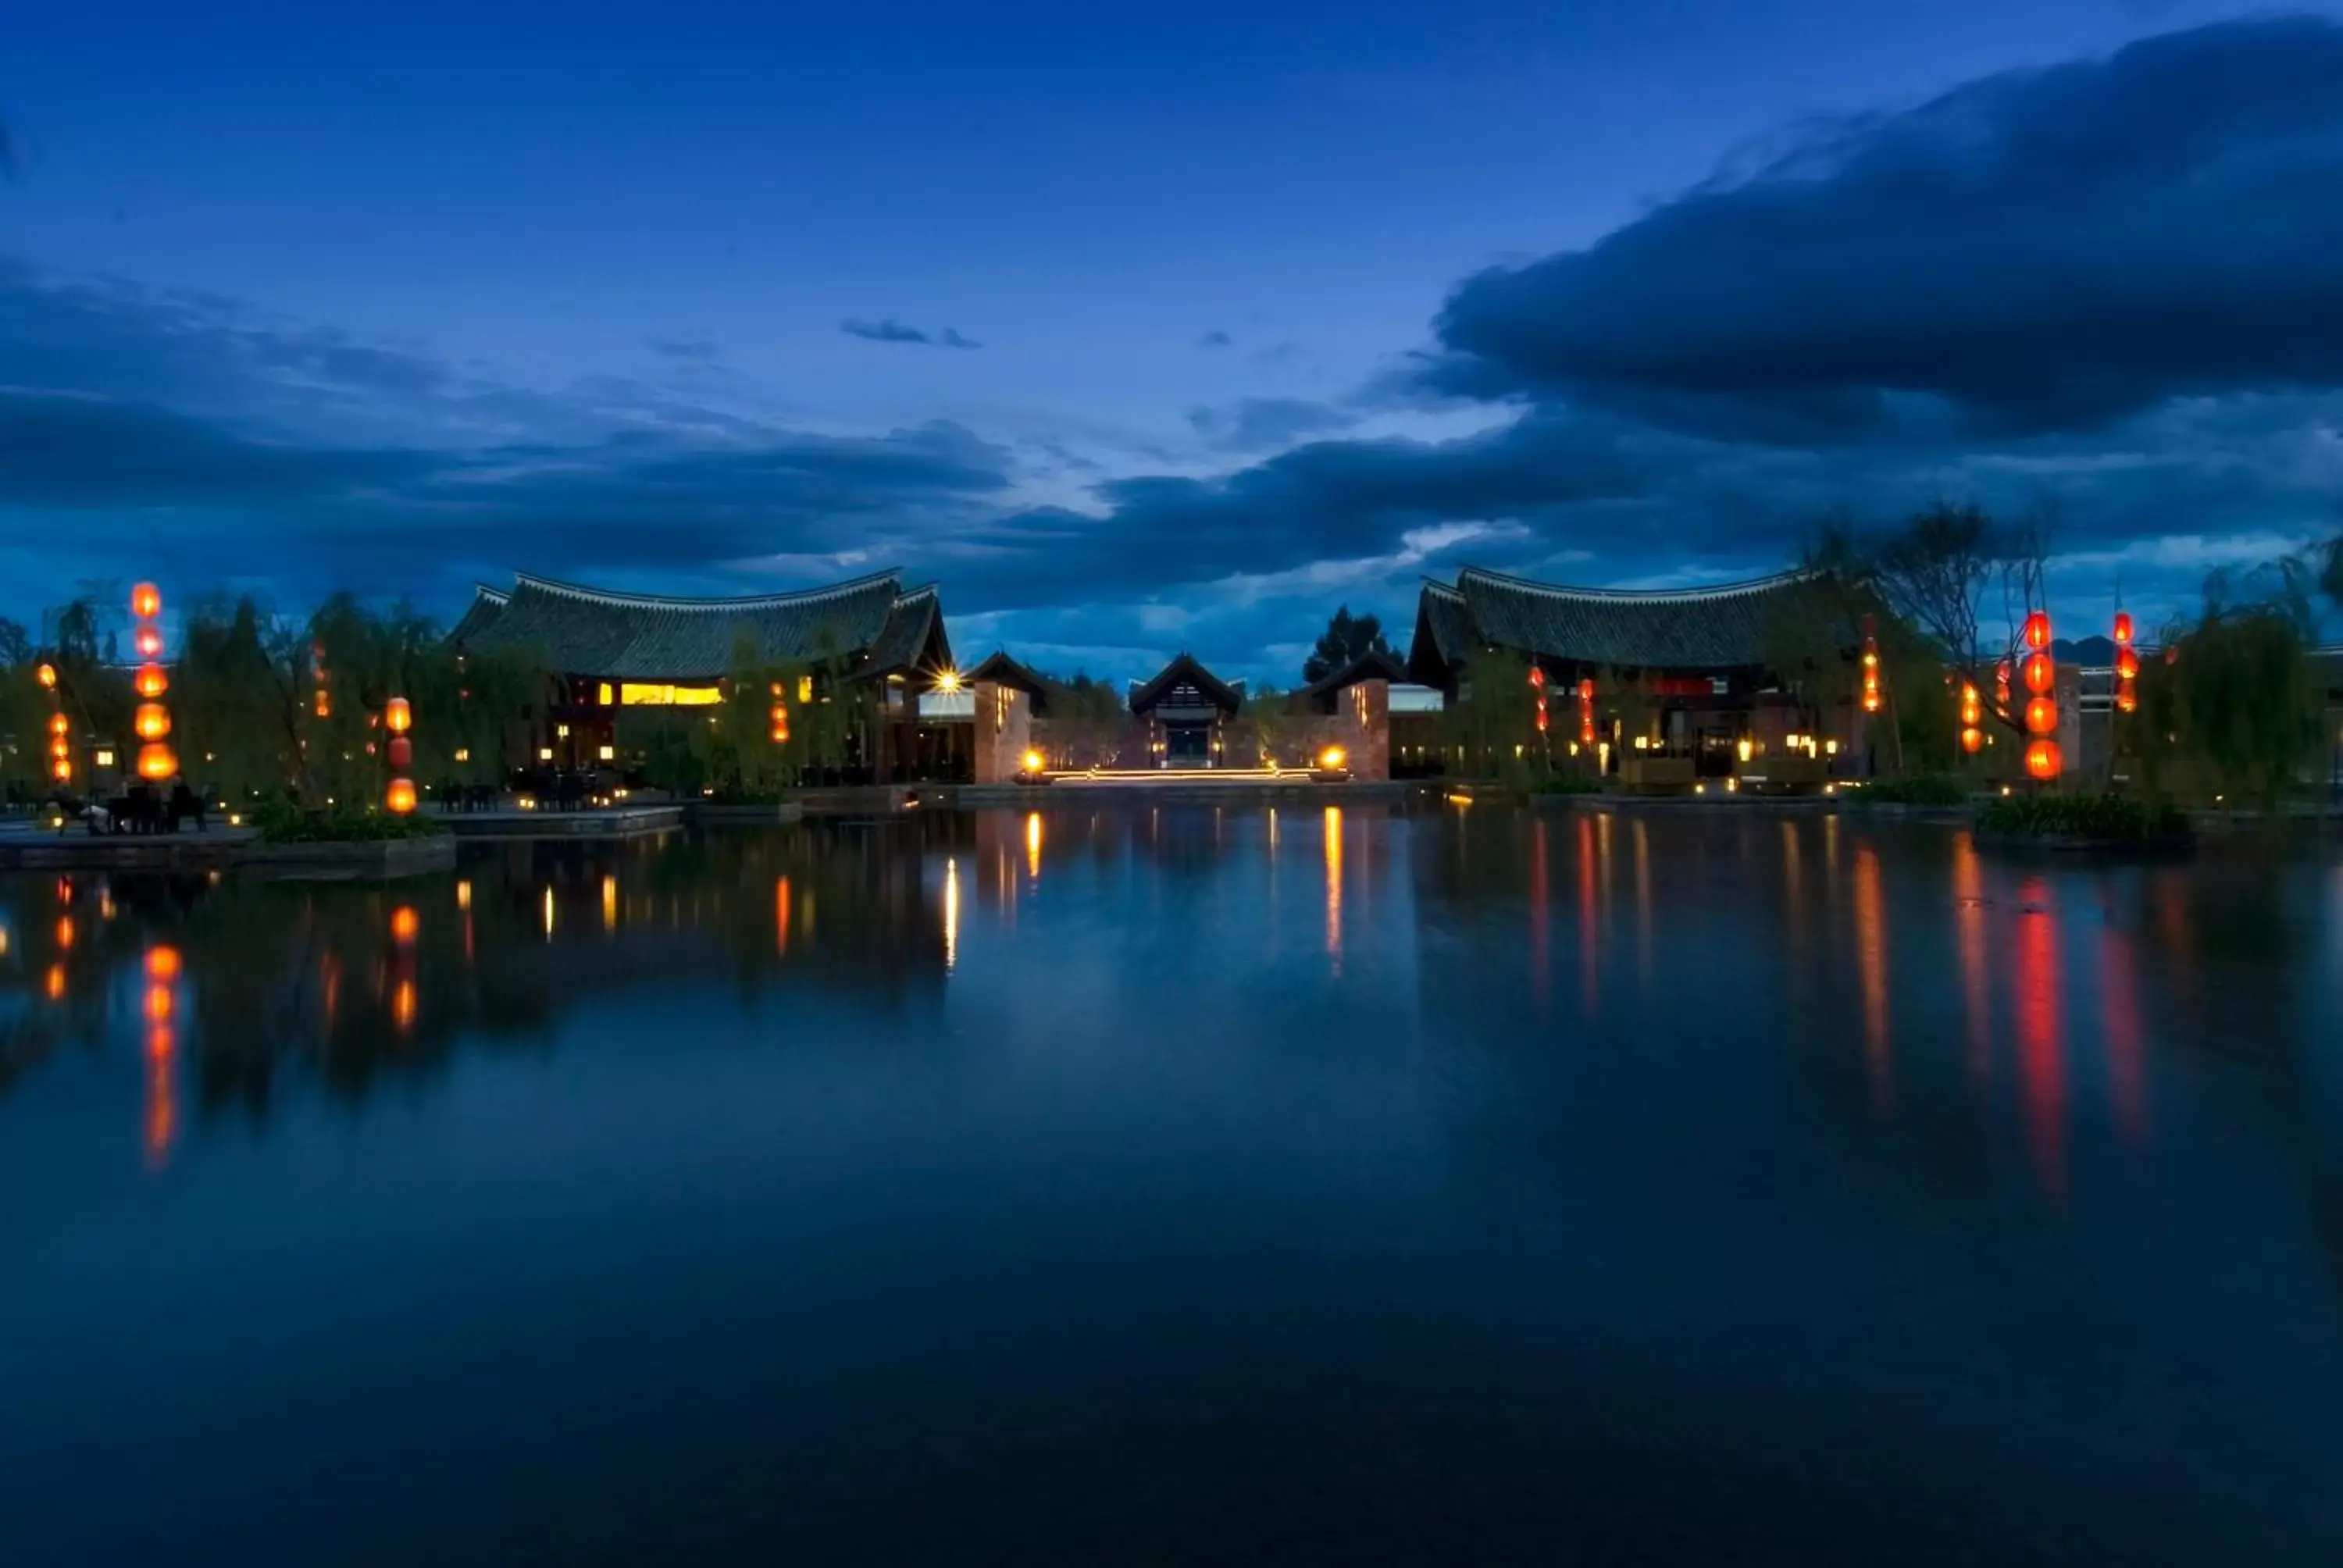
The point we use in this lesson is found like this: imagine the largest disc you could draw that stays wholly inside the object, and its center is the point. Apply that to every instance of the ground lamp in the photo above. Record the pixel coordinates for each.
(2041, 759)
(152, 720)
(398, 718)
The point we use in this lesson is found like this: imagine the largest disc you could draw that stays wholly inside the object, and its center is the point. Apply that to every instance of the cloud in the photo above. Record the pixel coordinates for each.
(889, 330)
(1262, 424)
(2039, 251)
(1215, 340)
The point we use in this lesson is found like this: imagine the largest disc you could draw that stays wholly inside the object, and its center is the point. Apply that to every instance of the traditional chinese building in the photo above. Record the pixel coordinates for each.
(1677, 674)
(869, 642)
(1183, 715)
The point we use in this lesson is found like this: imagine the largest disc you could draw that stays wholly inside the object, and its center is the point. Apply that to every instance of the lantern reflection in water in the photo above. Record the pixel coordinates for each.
(1033, 845)
(162, 1104)
(609, 902)
(2042, 1034)
(951, 914)
(1333, 836)
(781, 917)
(1871, 965)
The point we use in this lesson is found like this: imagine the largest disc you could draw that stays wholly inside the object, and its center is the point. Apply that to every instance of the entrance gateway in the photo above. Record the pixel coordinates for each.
(1185, 710)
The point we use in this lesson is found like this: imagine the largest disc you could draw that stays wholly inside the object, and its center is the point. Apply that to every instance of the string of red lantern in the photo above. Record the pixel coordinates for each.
(1972, 706)
(1537, 685)
(2127, 665)
(2041, 673)
(398, 719)
(779, 715)
(1585, 712)
(1870, 664)
(152, 720)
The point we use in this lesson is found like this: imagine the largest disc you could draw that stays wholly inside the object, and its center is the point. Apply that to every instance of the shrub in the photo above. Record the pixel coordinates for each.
(2115, 818)
(1569, 784)
(283, 822)
(1920, 790)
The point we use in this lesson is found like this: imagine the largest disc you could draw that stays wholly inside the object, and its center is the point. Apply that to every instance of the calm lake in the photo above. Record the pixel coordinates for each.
(1182, 1185)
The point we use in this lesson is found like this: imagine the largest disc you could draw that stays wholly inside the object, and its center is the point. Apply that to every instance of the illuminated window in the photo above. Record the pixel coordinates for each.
(602, 694)
(805, 689)
(106, 756)
(632, 695)
(545, 754)
(561, 731)
(609, 752)
(462, 754)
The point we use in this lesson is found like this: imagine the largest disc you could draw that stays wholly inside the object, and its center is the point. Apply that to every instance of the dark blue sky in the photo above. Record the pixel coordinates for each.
(1149, 326)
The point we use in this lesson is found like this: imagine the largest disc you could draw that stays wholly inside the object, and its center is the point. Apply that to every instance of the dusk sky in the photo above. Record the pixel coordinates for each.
(1143, 328)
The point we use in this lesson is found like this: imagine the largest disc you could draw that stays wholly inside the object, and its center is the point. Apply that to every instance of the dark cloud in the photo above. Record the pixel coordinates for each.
(889, 330)
(697, 348)
(1215, 340)
(2038, 251)
(1264, 424)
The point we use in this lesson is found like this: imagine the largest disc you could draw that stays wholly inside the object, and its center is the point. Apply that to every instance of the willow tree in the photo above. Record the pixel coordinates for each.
(233, 710)
(2240, 696)
(1495, 711)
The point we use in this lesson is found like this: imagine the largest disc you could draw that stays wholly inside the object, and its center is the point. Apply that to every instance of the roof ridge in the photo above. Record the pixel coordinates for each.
(493, 595)
(670, 601)
(1638, 596)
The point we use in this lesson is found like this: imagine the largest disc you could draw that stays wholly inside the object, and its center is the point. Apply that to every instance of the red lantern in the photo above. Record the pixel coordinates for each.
(2128, 663)
(2127, 700)
(2041, 716)
(156, 762)
(1537, 676)
(405, 923)
(1585, 691)
(1972, 741)
(152, 682)
(2041, 674)
(59, 724)
(149, 641)
(397, 716)
(400, 796)
(61, 770)
(47, 675)
(61, 748)
(151, 721)
(2037, 631)
(2123, 629)
(2172, 653)
(146, 601)
(402, 753)
(2041, 759)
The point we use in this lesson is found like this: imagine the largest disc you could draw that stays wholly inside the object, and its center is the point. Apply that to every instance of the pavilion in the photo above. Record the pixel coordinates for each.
(1185, 711)
(1680, 673)
(605, 653)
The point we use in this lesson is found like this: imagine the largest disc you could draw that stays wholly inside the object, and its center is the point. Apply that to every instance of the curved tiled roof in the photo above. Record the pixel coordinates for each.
(1721, 627)
(1216, 691)
(649, 637)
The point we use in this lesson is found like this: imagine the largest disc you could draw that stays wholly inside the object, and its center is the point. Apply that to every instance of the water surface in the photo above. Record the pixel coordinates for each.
(1182, 1185)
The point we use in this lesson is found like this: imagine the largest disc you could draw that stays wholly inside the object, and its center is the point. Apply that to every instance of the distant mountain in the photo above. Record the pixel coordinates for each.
(2091, 652)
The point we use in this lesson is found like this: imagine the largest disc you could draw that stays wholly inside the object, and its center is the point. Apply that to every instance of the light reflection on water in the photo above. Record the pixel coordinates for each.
(1753, 1133)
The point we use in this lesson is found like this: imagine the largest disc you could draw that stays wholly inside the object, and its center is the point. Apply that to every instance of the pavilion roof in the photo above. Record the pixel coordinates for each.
(1719, 627)
(1147, 694)
(618, 635)
(1376, 663)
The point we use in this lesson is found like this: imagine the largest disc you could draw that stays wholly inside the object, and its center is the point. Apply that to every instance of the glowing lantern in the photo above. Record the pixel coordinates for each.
(2123, 629)
(2041, 674)
(149, 641)
(2128, 663)
(162, 964)
(155, 761)
(1972, 740)
(59, 724)
(151, 721)
(152, 682)
(1537, 676)
(2041, 716)
(1332, 757)
(2041, 759)
(2127, 700)
(146, 601)
(325, 703)
(61, 770)
(1585, 691)
(404, 925)
(2172, 653)
(402, 753)
(47, 674)
(400, 796)
(2037, 631)
(397, 716)
(61, 748)
(1034, 761)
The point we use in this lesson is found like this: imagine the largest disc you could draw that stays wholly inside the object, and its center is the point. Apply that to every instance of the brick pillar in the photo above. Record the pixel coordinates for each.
(1004, 732)
(1365, 709)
